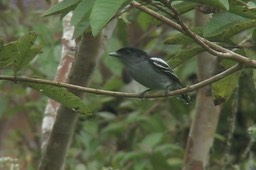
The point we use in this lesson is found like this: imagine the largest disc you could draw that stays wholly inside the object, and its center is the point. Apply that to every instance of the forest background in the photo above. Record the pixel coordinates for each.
(210, 45)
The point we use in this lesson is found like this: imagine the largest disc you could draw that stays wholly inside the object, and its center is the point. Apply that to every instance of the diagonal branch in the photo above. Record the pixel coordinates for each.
(191, 88)
(207, 45)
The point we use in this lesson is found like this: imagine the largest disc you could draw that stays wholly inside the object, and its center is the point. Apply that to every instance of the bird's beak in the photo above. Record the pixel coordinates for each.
(114, 54)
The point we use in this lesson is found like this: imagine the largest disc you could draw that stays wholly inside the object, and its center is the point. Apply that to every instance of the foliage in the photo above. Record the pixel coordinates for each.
(132, 133)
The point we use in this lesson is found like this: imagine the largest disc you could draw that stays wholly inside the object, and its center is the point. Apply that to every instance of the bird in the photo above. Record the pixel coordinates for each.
(151, 72)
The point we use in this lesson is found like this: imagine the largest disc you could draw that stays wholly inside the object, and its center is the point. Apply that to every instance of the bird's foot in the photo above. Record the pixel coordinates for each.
(142, 94)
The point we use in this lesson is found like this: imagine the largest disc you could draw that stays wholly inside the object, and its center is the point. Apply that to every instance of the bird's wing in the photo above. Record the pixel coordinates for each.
(161, 66)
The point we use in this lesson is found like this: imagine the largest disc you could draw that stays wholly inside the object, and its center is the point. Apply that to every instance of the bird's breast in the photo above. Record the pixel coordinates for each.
(145, 74)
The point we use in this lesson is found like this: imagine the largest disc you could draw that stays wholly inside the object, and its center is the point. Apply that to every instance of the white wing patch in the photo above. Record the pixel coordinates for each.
(160, 63)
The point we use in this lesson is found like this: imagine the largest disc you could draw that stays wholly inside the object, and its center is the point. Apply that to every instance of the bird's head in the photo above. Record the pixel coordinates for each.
(130, 55)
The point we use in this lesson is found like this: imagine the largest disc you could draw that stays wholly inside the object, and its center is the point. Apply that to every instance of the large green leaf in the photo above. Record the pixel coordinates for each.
(239, 27)
(180, 38)
(19, 53)
(102, 12)
(184, 7)
(62, 7)
(184, 55)
(220, 22)
(224, 88)
(243, 9)
(222, 4)
(221, 27)
(26, 51)
(62, 96)
(6, 54)
(82, 10)
(81, 27)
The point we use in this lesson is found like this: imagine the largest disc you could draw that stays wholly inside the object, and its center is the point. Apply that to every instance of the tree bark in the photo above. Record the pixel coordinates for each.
(89, 52)
(67, 57)
(207, 115)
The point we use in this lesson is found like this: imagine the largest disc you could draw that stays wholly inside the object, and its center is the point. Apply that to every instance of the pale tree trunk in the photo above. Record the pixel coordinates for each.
(67, 57)
(89, 51)
(204, 123)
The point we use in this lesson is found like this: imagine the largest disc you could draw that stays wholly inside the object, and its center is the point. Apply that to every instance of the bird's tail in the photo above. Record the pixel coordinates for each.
(184, 97)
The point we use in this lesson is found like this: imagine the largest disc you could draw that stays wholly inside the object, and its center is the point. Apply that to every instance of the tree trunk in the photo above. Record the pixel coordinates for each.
(89, 51)
(207, 115)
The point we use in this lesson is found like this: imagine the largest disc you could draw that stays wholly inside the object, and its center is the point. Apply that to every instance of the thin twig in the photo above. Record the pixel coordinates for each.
(191, 88)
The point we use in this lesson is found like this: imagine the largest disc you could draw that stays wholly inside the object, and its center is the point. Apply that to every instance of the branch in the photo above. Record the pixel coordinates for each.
(191, 88)
(207, 45)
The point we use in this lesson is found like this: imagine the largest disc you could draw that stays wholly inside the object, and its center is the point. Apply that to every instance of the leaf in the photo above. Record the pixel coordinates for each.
(62, 7)
(159, 161)
(106, 115)
(114, 128)
(224, 88)
(102, 12)
(184, 55)
(239, 27)
(152, 140)
(222, 4)
(168, 148)
(180, 38)
(62, 96)
(174, 161)
(81, 27)
(184, 7)
(220, 22)
(7, 53)
(82, 10)
(242, 9)
(145, 20)
(133, 155)
(26, 51)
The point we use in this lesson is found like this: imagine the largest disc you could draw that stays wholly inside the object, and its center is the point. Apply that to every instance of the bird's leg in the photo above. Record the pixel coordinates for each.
(168, 88)
(142, 94)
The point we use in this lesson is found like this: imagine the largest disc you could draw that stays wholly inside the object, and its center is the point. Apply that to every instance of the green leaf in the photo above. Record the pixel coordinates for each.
(26, 51)
(174, 161)
(184, 55)
(145, 20)
(225, 4)
(180, 38)
(62, 96)
(62, 7)
(114, 128)
(239, 27)
(224, 88)
(242, 9)
(220, 22)
(222, 4)
(102, 12)
(82, 11)
(7, 53)
(152, 140)
(184, 7)
(133, 155)
(81, 27)
(168, 148)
